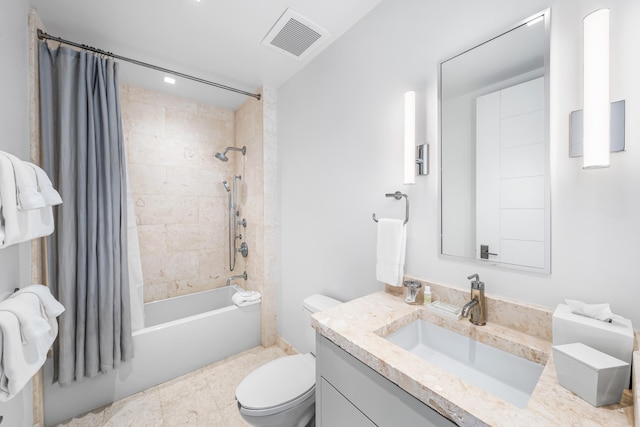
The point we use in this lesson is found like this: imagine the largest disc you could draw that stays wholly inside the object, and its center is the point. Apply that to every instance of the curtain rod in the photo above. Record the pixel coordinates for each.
(42, 36)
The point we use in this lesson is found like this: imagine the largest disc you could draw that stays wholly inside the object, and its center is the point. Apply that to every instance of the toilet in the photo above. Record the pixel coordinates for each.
(282, 392)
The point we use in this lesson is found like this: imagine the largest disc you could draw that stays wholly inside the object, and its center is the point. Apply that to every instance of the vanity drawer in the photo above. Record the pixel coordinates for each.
(338, 411)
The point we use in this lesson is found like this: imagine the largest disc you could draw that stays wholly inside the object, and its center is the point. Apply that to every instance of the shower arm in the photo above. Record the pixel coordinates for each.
(243, 149)
(223, 154)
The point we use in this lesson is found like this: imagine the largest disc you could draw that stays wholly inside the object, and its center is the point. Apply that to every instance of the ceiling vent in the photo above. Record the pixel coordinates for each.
(294, 35)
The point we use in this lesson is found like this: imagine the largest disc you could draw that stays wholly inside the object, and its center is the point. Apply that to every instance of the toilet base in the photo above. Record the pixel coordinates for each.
(302, 415)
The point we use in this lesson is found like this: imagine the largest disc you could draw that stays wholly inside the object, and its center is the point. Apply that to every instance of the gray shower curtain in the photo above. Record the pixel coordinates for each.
(83, 153)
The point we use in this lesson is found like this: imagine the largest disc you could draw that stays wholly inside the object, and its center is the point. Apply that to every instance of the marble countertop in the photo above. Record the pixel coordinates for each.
(359, 326)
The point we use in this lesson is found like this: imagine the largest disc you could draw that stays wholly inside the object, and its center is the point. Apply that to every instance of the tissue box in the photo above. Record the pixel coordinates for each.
(591, 374)
(614, 339)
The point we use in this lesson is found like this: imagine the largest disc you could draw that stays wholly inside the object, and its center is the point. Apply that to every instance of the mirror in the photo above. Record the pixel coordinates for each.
(494, 148)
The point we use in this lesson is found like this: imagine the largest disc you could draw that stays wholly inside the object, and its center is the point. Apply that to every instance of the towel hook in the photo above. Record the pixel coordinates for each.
(398, 195)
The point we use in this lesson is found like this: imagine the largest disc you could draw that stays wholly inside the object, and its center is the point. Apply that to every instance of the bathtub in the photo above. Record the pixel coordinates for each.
(181, 334)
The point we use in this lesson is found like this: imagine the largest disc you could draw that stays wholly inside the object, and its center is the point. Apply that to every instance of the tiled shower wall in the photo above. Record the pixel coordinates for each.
(181, 204)
(176, 183)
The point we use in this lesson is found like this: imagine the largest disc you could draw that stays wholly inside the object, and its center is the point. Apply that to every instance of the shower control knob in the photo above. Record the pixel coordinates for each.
(244, 249)
(243, 222)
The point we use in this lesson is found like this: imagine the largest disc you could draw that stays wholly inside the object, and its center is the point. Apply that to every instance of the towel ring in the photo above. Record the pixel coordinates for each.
(398, 195)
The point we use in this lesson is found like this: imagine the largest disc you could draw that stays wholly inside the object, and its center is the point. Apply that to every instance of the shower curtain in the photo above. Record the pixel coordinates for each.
(83, 153)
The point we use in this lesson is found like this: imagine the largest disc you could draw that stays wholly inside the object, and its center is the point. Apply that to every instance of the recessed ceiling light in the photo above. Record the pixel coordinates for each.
(169, 80)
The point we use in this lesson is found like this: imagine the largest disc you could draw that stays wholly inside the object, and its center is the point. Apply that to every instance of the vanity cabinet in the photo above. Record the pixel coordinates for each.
(350, 394)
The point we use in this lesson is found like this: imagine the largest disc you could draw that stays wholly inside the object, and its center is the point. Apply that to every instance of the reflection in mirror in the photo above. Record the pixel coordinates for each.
(494, 149)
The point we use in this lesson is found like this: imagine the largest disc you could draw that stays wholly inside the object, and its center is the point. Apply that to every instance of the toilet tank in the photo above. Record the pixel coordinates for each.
(314, 304)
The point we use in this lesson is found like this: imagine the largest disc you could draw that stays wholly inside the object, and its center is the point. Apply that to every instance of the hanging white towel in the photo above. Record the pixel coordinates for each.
(50, 309)
(28, 310)
(2, 221)
(20, 362)
(392, 239)
(50, 305)
(45, 188)
(15, 222)
(27, 194)
(20, 219)
(21, 359)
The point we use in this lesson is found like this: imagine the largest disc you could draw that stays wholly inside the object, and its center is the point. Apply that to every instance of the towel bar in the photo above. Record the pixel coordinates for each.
(398, 195)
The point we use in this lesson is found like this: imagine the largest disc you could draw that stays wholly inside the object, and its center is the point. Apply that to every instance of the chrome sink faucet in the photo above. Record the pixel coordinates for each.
(476, 305)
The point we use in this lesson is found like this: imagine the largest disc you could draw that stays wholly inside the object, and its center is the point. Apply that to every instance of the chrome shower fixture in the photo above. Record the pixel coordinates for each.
(233, 219)
(223, 155)
(240, 276)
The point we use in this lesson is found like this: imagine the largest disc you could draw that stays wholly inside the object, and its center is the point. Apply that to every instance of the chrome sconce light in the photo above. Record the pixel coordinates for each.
(599, 128)
(416, 158)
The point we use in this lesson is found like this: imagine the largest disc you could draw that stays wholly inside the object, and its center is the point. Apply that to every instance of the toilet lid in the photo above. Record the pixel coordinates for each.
(277, 382)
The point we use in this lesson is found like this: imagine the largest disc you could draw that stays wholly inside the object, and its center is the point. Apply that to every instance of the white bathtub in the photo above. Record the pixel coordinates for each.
(181, 334)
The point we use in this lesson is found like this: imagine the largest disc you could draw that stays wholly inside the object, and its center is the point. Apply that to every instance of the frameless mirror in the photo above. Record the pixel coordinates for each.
(494, 148)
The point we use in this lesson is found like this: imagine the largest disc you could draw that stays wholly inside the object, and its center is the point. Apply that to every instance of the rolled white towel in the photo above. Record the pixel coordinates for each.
(245, 298)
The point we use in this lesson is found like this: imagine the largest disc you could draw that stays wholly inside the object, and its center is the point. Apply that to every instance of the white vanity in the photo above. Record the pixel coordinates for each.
(350, 393)
(366, 379)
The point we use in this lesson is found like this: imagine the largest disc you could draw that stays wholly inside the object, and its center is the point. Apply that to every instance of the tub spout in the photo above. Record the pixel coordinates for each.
(240, 276)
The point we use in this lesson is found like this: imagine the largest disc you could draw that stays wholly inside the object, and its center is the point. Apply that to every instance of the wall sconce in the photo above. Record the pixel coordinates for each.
(416, 159)
(599, 128)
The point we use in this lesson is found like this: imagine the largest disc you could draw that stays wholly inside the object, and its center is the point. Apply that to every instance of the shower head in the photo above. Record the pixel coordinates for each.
(223, 155)
(226, 186)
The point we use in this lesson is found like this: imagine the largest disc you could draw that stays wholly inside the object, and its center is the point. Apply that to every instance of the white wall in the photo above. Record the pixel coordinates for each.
(340, 139)
(14, 137)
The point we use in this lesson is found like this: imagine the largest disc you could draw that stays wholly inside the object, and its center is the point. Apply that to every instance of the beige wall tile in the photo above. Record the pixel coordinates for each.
(168, 209)
(181, 205)
(170, 266)
(147, 149)
(147, 179)
(143, 117)
(151, 97)
(152, 238)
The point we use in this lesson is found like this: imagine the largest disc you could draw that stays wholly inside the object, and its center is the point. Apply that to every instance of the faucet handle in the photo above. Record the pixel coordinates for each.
(476, 284)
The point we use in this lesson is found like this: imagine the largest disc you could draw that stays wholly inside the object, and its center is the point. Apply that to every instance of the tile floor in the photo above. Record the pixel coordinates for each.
(205, 397)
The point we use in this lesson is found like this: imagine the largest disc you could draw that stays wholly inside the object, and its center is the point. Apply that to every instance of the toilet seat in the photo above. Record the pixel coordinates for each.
(278, 385)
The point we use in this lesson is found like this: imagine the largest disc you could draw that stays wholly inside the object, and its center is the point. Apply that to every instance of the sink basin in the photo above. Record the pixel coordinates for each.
(502, 374)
